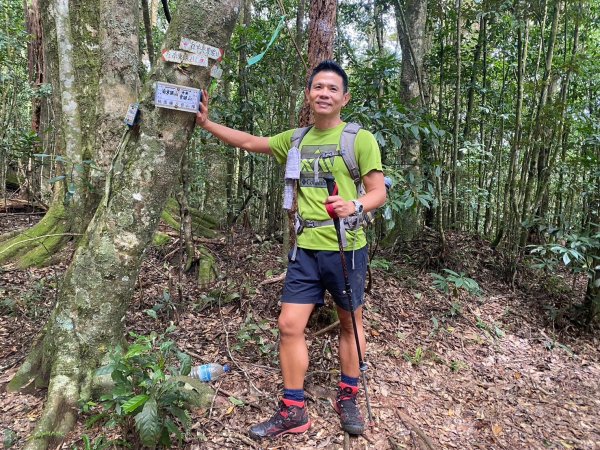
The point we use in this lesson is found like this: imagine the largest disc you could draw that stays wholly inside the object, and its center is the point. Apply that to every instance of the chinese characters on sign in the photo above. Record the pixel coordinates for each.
(199, 48)
(185, 58)
(173, 96)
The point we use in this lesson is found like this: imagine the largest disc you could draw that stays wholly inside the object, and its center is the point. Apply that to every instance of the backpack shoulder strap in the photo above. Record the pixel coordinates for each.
(298, 135)
(348, 152)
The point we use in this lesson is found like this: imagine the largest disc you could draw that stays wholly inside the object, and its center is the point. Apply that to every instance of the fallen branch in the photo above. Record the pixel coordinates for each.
(413, 426)
(246, 440)
(327, 328)
(272, 280)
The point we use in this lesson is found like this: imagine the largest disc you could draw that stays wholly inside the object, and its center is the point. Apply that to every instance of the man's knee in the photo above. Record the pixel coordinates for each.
(290, 325)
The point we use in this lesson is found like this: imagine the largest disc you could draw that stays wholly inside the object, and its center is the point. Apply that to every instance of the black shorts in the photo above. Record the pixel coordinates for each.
(315, 271)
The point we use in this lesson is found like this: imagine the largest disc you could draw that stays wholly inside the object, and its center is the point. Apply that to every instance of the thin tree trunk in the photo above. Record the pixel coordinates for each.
(148, 32)
(455, 132)
(526, 206)
(411, 19)
(288, 220)
(509, 207)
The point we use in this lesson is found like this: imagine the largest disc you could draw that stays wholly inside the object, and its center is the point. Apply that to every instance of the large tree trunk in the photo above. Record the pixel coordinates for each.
(92, 61)
(98, 286)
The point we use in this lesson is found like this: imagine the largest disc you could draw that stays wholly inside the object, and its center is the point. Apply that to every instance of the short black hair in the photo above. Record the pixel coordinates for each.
(329, 66)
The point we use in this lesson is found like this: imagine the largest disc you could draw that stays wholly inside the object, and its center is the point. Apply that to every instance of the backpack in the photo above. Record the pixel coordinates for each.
(347, 151)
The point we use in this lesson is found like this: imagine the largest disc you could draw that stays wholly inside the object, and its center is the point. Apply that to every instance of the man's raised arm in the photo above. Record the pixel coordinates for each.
(232, 137)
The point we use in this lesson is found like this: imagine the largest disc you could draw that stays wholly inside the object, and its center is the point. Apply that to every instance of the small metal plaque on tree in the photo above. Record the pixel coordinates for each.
(174, 96)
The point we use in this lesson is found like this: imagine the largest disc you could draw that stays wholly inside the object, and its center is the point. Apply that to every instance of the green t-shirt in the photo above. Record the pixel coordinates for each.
(324, 145)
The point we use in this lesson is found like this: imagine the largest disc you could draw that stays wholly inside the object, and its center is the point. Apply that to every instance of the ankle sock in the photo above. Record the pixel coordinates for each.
(350, 381)
(295, 395)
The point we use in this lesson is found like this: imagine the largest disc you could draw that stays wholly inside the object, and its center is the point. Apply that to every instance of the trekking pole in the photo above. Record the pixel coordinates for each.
(332, 189)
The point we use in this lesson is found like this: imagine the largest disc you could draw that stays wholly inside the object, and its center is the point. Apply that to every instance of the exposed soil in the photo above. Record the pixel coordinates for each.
(506, 370)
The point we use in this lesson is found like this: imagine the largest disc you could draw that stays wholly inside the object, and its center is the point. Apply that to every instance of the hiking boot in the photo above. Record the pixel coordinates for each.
(346, 406)
(291, 417)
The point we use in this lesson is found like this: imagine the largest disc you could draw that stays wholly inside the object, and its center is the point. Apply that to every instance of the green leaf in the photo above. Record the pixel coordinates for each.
(148, 423)
(55, 179)
(134, 403)
(151, 313)
(566, 259)
(186, 363)
(135, 350)
(415, 131)
(105, 370)
(236, 401)
(182, 415)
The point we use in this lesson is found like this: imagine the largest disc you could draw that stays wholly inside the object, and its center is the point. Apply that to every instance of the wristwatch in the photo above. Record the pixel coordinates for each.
(358, 207)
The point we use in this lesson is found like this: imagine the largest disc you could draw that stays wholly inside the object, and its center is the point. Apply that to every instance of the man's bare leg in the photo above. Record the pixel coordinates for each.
(293, 353)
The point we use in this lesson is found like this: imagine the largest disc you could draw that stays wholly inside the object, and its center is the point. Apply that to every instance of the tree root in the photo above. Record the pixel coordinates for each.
(34, 246)
(30, 368)
(59, 415)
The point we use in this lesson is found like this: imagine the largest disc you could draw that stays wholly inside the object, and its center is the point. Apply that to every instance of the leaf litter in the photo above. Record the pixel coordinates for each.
(499, 374)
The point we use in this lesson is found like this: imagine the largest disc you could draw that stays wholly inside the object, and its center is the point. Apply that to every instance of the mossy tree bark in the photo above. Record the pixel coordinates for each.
(91, 58)
(98, 285)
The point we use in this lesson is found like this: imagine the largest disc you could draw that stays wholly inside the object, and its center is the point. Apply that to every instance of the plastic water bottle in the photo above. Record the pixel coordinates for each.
(209, 372)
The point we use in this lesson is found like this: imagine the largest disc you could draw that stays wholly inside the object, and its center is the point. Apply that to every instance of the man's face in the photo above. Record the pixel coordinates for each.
(326, 96)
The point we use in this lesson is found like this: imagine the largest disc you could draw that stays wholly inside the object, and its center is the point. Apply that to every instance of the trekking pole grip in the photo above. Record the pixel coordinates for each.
(331, 186)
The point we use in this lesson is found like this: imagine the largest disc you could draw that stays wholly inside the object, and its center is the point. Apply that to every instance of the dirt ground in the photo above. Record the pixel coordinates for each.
(505, 370)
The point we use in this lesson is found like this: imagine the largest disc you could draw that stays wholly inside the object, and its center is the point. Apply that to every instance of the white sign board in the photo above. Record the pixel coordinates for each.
(185, 58)
(174, 96)
(199, 48)
(216, 72)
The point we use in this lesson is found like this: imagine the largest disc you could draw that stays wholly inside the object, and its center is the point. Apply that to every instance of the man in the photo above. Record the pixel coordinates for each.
(316, 267)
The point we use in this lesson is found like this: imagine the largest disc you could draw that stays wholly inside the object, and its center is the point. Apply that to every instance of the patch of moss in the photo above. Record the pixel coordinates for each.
(160, 239)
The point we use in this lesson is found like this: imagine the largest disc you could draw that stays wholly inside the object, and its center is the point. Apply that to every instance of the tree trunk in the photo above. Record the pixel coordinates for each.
(91, 90)
(321, 34)
(411, 20)
(98, 285)
(509, 204)
(148, 32)
(455, 132)
(537, 138)
(288, 222)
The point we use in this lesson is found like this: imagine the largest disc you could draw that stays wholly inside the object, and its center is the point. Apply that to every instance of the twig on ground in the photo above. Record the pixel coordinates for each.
(229, 394)
(394, 444)
(327, 328)
(346, 441)
(212, 403)
(246, 440)
(413, 426)
(272, 280)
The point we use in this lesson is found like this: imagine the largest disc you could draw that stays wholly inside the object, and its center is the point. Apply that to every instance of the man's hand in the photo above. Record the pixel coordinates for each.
(341, 207)
(202, 115)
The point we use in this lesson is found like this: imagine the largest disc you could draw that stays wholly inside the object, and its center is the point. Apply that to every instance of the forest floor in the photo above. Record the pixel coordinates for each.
(504, 370)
